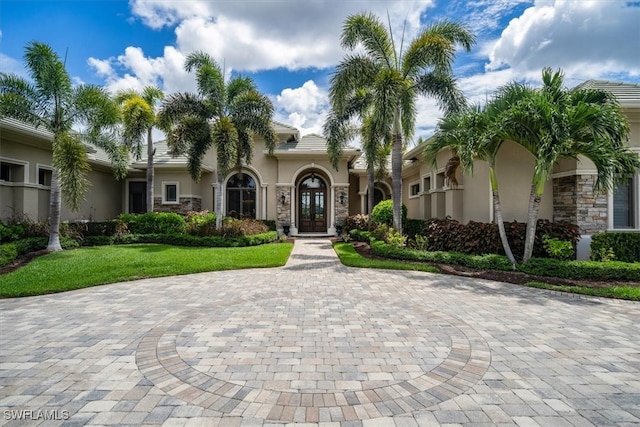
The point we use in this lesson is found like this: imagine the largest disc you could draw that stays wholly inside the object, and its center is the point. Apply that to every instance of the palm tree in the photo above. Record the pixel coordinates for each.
(469, 135)
(339, 129)
(51, 101)
(139, 118)
(224, 114)
(553, 123)
(396, 77)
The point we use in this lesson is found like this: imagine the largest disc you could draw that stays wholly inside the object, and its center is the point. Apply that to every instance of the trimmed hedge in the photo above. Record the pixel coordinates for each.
(489, 261)
(625, 245)
(10, 251)
(189, 240)
(579, 270)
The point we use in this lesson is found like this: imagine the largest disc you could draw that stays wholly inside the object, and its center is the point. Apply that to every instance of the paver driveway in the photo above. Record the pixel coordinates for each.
(318, 343)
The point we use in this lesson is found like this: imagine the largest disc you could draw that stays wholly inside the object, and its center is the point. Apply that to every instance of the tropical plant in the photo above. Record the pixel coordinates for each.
(224, 114)
(139, 118)
(396, 77)
(50, 101)
(552, 122)
(473, 134)
(339, 129)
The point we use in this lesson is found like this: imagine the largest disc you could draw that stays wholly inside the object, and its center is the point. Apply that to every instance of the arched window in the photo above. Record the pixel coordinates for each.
(241, 196)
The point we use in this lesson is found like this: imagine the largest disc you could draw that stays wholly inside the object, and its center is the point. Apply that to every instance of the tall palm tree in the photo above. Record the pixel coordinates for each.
(51, 101)
(224, 114)
(396, 77)
(139, 118)
(552, 123)
(339, 129)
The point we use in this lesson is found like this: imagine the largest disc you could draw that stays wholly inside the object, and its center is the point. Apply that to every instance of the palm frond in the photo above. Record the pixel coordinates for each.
(70, 159)
(368, 30)
(353, 73)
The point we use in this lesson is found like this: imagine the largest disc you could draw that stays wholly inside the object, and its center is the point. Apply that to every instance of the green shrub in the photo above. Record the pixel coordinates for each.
(201, 223)
(603, 254)
(558, 249)
(414, 227)
(98, 240)
(12, 232)
(382, 213)
(360, 235)
(189, 240)
(395, 239)
(270, 223)
(420, 243)
(154, 222)
(8, 253)
(583, 270)
(625, 245)
(381, 232)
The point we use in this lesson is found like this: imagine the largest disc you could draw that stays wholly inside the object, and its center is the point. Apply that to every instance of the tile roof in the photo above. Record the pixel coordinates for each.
(627, 94)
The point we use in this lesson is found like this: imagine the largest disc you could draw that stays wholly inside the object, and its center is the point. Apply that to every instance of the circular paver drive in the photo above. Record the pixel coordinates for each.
(278, 356)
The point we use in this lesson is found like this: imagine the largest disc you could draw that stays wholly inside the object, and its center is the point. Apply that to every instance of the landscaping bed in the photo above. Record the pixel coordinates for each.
(516, 277)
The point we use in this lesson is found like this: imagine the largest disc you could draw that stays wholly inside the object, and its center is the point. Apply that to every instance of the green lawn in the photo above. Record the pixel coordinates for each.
(81, 268)
(351, 258)
(620, 292)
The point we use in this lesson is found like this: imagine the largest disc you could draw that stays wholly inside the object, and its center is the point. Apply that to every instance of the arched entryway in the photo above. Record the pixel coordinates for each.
(312, 204)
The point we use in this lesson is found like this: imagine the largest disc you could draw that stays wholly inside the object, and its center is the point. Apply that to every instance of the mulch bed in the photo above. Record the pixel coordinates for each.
(22, 261)
(516, 277)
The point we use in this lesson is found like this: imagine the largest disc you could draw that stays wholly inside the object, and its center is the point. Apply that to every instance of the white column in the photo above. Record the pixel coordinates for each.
(332, 214)
(264, 201)
(363, 202)
(293, 203)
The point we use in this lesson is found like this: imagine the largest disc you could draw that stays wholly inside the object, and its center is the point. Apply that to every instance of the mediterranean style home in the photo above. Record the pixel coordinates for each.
(297, 186)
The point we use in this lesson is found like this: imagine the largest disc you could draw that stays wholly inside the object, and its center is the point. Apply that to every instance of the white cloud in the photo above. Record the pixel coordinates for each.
(304, 107)
(587, 39)
(10, 65)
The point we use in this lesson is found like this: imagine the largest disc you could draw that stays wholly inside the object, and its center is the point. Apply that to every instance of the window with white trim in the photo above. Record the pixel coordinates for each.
(11, 172)
(170, 193)
(44, 176)
(414, 189)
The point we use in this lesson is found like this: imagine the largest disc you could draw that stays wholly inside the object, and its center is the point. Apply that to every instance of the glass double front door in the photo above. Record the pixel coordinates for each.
(313, 206)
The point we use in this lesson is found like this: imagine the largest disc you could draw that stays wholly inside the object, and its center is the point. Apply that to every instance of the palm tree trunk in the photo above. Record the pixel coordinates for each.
(371, 177)
(219, 200)
(150, 172)
(532, 222)
(55, 205)
(396, 172)
(497, 211)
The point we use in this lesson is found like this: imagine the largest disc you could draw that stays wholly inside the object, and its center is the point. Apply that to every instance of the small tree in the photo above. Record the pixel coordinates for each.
(224, 114)
(52, 102)
(139, 118)
(552, 122)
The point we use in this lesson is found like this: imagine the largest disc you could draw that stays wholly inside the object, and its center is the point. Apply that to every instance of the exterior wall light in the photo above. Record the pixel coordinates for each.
(283, 198)
(342, 197)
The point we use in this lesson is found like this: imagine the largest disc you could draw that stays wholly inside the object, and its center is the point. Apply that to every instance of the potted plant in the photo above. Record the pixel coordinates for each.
(339, 226)
(285, 228)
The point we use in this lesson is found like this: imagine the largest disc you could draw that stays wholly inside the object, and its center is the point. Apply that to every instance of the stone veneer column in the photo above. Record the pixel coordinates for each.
(341, 209)
(283, 211)
(574, 200)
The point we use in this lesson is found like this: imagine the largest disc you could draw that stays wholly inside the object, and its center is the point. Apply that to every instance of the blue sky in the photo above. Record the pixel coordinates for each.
(291, 47)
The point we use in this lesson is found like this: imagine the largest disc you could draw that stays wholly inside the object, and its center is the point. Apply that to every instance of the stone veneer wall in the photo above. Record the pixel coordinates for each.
(283, 211)
(341, 210)
(186, 204)
(574, 200)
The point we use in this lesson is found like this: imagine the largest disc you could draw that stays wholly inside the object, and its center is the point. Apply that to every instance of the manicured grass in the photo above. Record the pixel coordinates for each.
(620, 292)
(81, 268)
(351, 258)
